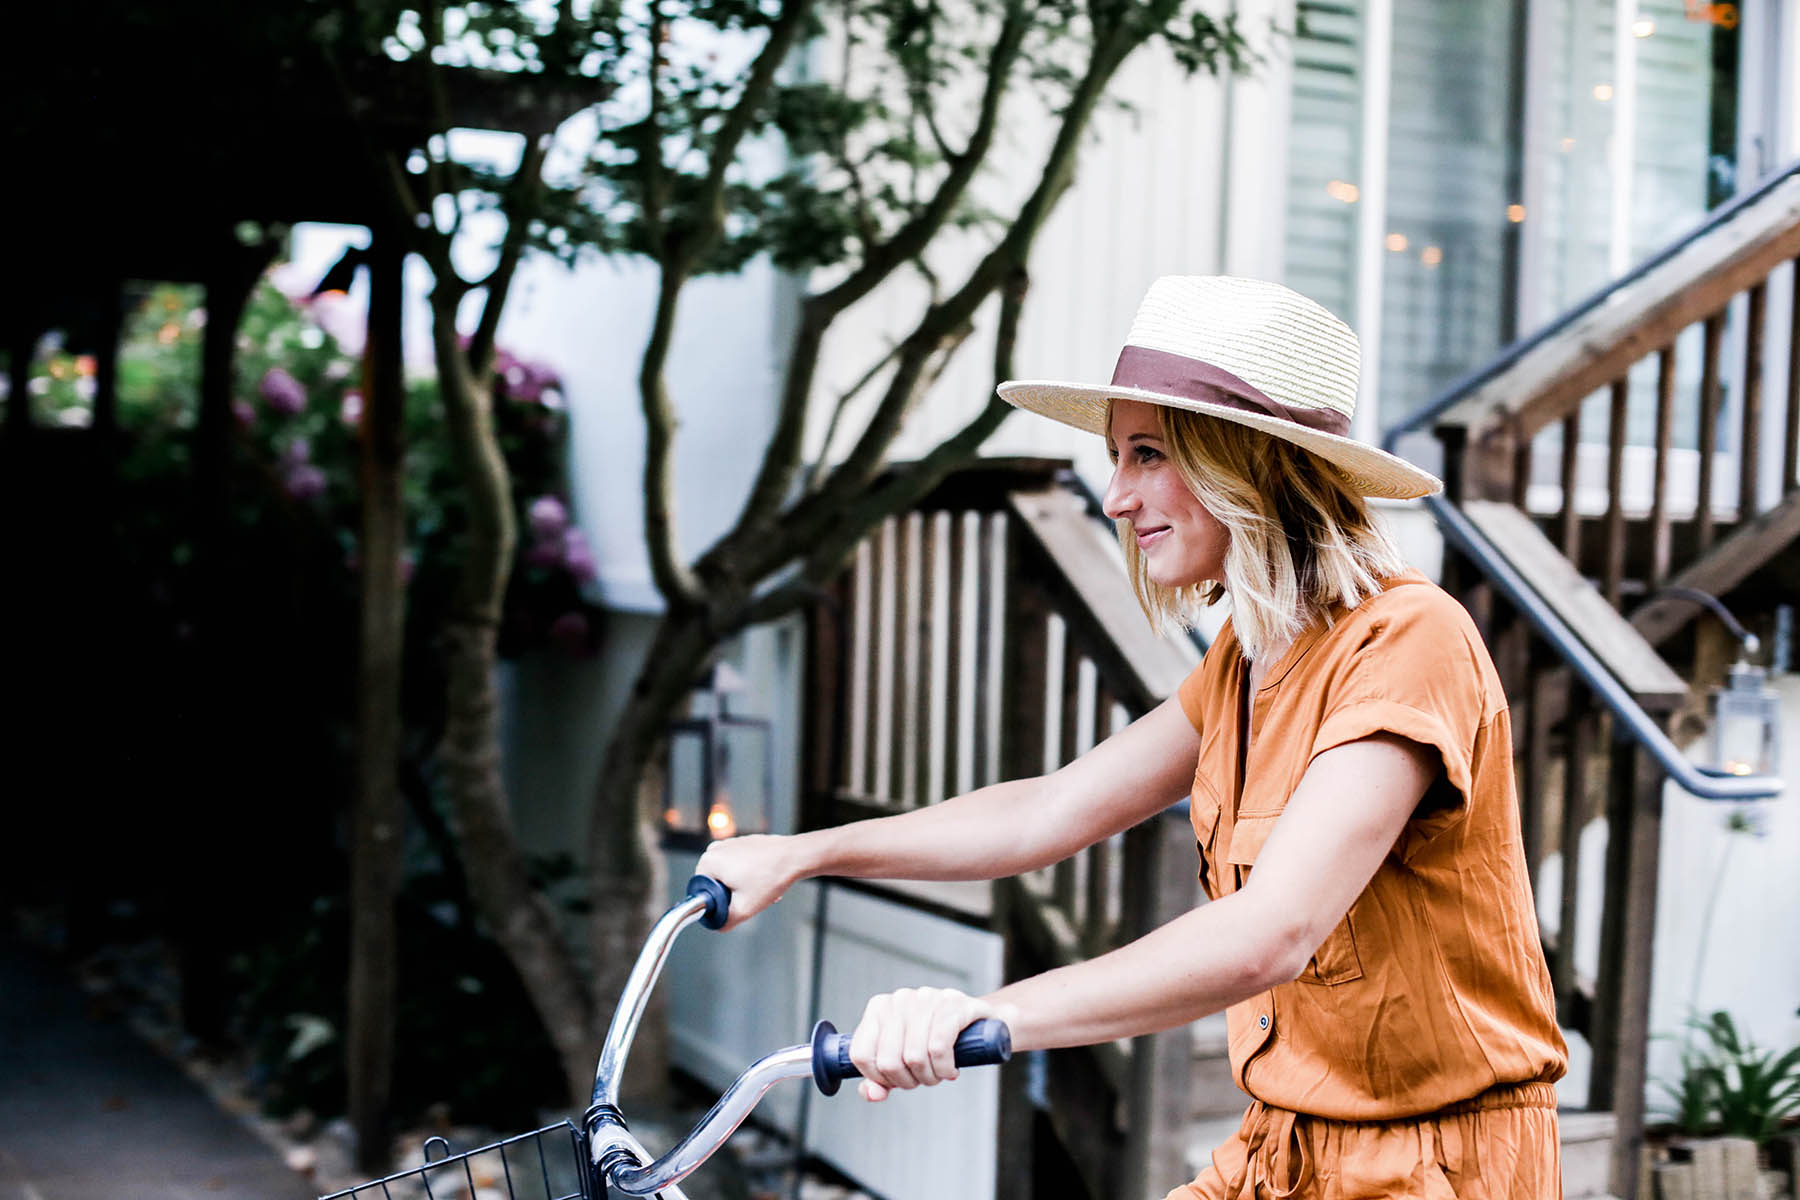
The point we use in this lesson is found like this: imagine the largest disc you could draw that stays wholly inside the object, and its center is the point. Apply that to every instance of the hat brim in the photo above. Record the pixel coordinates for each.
(1368, 470)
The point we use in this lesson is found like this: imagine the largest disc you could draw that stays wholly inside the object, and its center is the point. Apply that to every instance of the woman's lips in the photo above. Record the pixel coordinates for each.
(1146, 538)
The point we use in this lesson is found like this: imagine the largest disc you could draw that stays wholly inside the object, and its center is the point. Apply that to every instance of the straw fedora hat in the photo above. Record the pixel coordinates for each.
(1242, 350)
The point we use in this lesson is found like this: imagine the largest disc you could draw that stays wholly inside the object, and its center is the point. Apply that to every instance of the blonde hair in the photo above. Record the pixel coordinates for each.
(1299, 541)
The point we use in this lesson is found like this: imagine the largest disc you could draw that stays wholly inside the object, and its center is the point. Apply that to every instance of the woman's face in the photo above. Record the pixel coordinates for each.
(1181, 543)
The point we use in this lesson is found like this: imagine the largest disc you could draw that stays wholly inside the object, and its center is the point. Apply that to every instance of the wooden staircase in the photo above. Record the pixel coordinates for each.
(1601, 554)
(995, 624)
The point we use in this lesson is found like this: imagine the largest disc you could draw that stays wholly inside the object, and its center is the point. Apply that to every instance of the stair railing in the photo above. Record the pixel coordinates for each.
(989, 634)
(1590, 695)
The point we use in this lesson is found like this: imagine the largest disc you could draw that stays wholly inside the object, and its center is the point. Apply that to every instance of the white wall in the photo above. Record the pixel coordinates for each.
(739, 996)
(723, 366)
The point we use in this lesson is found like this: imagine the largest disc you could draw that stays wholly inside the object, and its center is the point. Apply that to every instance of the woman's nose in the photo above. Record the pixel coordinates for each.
(1118, 500)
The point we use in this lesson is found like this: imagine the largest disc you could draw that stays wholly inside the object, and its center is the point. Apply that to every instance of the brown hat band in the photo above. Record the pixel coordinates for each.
(1190, 379)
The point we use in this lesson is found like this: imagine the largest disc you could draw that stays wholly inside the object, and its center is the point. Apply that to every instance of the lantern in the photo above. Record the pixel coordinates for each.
(721, 769)
(1747, 721)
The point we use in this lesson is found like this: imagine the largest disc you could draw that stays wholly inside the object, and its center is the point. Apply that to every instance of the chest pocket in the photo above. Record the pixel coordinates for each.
(1336, 960)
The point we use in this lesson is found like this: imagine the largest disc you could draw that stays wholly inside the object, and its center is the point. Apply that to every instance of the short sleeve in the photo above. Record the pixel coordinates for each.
(1191, 693)
(1416, 673)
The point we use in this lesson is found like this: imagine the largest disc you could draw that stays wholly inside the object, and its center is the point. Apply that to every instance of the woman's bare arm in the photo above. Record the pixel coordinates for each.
(1340, 823)
(990, 833)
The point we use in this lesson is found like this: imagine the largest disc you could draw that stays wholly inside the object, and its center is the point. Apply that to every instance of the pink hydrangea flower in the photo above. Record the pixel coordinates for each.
(352, 409)
(578, 558)
(548, 517)
(304, 482)
(283, 392)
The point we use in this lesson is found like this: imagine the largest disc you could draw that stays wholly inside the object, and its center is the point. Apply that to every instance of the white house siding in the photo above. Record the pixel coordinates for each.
(1176, 183)
(740, 996)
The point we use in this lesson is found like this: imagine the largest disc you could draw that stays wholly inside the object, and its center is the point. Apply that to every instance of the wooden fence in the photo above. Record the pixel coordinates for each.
(990, 634)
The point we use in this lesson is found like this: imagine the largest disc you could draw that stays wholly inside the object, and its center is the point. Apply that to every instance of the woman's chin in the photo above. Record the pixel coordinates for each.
(1172, 579)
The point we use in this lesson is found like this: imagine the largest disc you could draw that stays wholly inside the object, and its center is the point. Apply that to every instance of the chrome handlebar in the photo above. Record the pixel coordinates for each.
(621, 1159)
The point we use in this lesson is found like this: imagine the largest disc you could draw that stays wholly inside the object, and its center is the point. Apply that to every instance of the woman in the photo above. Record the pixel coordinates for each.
(1347, 749)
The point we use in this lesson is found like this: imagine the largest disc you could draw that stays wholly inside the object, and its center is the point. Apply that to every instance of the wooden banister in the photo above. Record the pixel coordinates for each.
(1543, 385)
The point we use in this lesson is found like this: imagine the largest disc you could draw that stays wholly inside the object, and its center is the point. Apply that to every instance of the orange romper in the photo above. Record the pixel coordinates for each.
(1415, 1054)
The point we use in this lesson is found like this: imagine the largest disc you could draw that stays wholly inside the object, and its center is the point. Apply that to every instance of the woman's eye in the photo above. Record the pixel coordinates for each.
(1145, 454)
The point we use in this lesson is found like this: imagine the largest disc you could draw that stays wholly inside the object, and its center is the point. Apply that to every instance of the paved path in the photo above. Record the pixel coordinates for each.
(89, 1112)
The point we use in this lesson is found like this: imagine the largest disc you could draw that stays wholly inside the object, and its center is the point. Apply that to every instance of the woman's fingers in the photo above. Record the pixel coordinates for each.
(756, 868)
(947, 1021)
(907, 1039)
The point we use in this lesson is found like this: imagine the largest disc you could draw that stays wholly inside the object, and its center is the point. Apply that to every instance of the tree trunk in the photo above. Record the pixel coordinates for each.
(519, 918)
(624, 860)
(375, 851)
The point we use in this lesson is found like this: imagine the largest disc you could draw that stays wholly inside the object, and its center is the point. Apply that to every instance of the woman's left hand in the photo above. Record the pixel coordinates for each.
(907, 1039)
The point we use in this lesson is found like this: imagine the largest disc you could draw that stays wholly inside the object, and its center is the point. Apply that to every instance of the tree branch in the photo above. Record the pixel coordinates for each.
(782, 458)
(650, 161)
(809, 517)
(677, 583)
(837, 414)
(522, 194)
(907, 488)
(782, 35)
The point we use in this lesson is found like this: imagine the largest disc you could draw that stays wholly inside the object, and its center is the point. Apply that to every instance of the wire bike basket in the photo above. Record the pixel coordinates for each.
(547, 1164)
(566, 1161)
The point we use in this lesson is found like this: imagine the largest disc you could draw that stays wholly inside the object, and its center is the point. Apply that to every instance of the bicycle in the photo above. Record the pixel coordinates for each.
(569, 1162)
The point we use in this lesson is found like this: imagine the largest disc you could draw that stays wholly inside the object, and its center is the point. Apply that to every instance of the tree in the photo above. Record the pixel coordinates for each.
(872, 180)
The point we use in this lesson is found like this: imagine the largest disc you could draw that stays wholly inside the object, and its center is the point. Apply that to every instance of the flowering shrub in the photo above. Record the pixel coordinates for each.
(296, 417)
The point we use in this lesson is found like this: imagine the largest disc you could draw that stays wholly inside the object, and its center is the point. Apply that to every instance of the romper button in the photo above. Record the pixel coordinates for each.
(1262, 1022)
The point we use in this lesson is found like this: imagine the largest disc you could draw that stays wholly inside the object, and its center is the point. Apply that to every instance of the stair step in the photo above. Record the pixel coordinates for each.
(1587, 1139)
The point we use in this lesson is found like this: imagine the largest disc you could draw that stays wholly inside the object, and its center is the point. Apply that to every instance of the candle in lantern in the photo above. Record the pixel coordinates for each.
(719, 821)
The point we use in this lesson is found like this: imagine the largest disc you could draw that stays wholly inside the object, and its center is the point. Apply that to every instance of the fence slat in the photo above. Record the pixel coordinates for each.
(1659, 482)
(1574, 818)
(954, 650)
(1570, 520)
(1790, 442)
(1096, 929)
(1535, 761)
(860, 654)
(881, 699)
(1615, 490)
(1069, 701)
(906, 678)
(1750, 444)
(1709, 428)
(927, 657)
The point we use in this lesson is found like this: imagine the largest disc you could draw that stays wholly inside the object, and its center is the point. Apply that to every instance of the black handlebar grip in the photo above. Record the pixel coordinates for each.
(718, 900)
(984, 1043)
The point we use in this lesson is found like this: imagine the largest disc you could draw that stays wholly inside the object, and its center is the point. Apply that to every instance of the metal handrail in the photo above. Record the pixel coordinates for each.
(1707, 783)
(1704, 782)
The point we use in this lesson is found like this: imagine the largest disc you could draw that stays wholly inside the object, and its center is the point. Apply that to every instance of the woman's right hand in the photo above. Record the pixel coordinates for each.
(758, 868)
